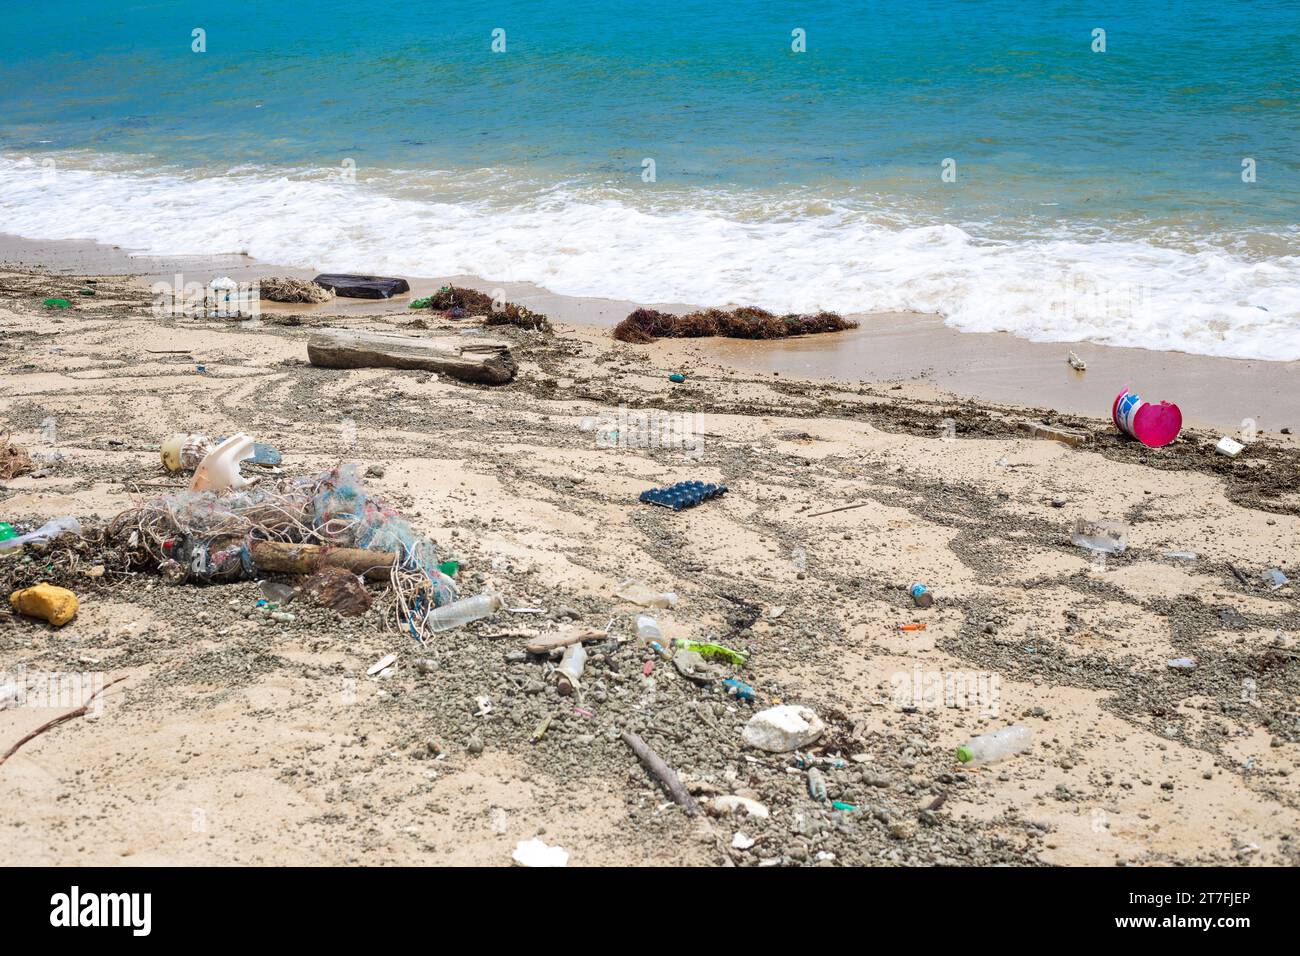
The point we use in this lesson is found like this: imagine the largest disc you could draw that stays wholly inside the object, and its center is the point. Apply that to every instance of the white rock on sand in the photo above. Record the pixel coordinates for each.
(784, 728)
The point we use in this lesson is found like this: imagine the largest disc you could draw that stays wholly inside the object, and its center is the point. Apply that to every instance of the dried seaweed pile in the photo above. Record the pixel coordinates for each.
(286, 289)
(14, 460)
(746, 322)
(462, 303)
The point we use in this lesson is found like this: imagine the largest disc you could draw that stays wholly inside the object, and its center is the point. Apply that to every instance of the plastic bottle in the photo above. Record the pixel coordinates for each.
(571, 668)
(987, 748)
(459, 613)
(639, 593)
(711, 651)
(647, 628)
(46, 532)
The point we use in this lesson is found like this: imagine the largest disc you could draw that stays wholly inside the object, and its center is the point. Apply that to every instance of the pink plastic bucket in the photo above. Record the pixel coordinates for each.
(1153, 425)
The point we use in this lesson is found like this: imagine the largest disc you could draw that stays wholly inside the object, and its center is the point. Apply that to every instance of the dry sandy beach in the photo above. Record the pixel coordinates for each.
(235, 739)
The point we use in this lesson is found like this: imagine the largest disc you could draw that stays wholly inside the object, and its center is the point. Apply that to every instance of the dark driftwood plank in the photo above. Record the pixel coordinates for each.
(488, 362)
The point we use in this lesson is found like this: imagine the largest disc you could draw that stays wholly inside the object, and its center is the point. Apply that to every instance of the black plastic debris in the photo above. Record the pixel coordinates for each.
(362, 287)
(684, 494)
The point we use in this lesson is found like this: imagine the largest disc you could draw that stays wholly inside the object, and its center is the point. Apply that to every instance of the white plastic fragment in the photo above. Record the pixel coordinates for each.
(1229, 447)
(382, 664)
(784, 728)
(535, 853)
(730, 804)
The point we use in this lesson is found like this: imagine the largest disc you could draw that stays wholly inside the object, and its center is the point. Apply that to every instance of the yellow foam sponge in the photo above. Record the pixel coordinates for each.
(49, 603)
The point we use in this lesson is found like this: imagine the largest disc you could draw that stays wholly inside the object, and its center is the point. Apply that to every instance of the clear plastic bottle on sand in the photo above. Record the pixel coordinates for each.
(571, 667)
(638, 592)
(987, 748)
(459, 613)
(647, 628)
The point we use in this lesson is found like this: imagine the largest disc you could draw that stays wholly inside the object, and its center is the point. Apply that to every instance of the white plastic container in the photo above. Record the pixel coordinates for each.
(462, 612)
(987, 748)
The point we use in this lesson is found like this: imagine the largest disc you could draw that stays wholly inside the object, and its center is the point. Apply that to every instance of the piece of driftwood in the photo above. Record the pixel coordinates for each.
(550, 642)
(285, 558)
(662, 772)
(487, 362)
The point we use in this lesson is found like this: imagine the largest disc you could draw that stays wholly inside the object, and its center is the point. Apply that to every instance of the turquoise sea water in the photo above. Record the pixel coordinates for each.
(1097, 195)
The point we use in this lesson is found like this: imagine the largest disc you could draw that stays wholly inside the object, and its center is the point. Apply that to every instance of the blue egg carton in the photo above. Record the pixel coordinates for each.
(684, 494)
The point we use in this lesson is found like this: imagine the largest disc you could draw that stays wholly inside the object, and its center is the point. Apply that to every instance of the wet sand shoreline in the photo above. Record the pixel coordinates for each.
(1229, 394)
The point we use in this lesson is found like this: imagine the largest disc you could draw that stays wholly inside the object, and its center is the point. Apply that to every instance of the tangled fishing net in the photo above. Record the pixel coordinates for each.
(457, 303)
(285, 289)
(204, 537)
(746, 322)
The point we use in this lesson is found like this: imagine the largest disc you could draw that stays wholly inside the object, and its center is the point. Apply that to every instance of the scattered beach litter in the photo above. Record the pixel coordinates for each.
(747, 322)
(1153, 425)
(1076, 363)
(351, 286)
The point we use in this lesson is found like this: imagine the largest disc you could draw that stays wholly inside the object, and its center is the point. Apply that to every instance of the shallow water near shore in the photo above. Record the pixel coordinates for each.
(1097, 196)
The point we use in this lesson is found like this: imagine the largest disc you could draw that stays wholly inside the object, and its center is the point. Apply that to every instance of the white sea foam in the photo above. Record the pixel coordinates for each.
(1203, 299)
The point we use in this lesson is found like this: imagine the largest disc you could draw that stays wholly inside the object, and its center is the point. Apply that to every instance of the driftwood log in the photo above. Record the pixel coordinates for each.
(285, 558)
(486, 362)
(662, 772)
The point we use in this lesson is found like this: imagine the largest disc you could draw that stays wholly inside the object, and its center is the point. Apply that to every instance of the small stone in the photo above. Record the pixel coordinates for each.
(475, 744)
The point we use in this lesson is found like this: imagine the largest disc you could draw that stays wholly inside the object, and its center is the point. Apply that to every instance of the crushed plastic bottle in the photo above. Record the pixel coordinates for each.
(986, 748)
(462, 612)
(638, 592)
(647, 628)
(1107, 537)
(46, 532)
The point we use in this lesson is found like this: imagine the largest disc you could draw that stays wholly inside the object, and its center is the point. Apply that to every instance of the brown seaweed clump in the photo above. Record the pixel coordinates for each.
(746, 322)
(14, 460)
(461, 303)
(286, 289)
